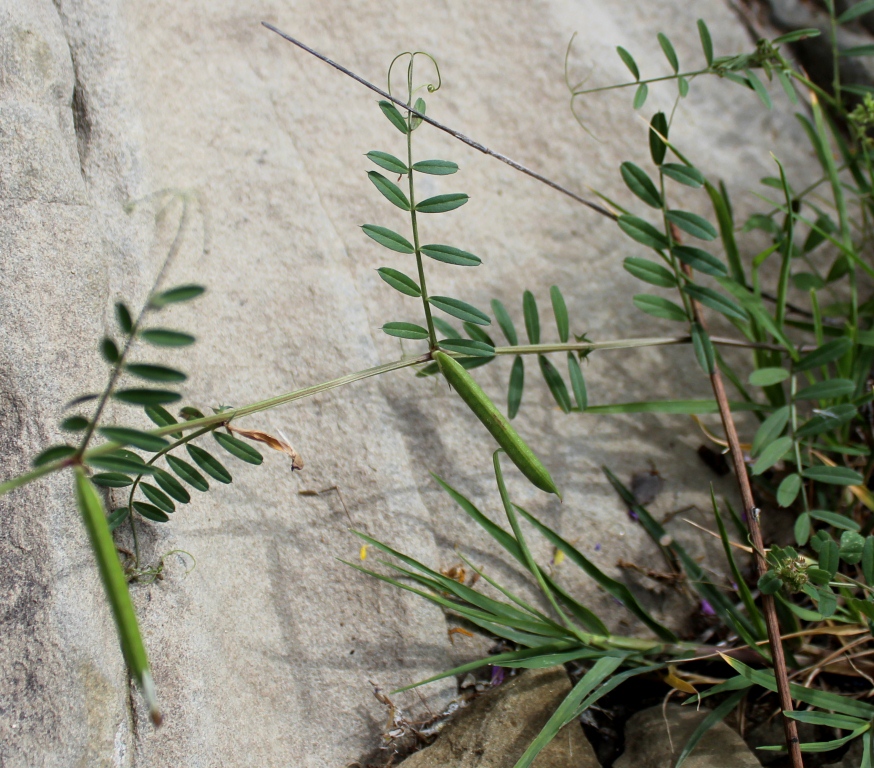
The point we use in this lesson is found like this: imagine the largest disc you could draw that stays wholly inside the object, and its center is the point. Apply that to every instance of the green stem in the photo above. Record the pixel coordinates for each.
(432, 334)
(793, 415)
(638, 83)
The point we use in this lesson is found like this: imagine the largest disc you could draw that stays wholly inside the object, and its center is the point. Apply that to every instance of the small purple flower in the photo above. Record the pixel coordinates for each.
(707, 609)
(597, 547)
(632, 514)
(497, 676)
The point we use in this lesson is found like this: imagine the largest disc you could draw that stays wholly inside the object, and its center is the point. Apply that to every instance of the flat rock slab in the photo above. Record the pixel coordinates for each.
(495, 730)
(655, 738)
(262, 654)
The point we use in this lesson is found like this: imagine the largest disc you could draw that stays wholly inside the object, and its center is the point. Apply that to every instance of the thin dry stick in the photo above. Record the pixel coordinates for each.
(752, 512)
(451, 131)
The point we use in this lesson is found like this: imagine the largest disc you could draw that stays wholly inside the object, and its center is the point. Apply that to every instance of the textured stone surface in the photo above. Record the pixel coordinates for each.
(497, 727)
(655, 738)
(263, 653)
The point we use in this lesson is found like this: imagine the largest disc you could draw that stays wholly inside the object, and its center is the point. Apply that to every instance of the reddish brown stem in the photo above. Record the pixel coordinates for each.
(781, 674)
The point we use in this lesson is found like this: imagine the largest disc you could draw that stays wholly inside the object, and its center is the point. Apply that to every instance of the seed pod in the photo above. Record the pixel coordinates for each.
(496, 423)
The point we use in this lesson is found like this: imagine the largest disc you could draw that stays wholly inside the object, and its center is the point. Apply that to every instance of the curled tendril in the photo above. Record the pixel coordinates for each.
(430, 87)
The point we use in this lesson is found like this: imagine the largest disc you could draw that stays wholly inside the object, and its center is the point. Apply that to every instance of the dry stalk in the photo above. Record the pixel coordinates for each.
(752, 515)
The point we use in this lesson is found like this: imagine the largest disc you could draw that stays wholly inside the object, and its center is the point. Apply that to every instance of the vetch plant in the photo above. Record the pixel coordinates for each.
(809, 387)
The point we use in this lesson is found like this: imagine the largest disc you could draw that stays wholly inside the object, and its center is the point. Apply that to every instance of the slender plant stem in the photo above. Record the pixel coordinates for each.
(451, 131)
(432, 334)
(769, 609)
(118, 367)
(299, 394)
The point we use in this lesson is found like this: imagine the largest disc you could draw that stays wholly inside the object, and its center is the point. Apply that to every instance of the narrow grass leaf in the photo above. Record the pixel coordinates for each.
(600, 671)
(436, 167)
(532, 317)
(559, 309)
(178, 294)
(516, 385)
(714, 717)
(657, 306)
(163, 337)
(616, 589)
(460, 309)
(642, 231)
(506, 324)
(629, 62)
(405, 330)
(673, 406)
(746, 595)
(555, 383)
(639, 182)
(387, 237)
(692, 224)
(389, 190)
(578, 382)
(442, 203)
(449, 255)
(115, 584)
(238, 448)
(813, 696)
(188, 473)
(208, 463)
(650, 272)
(470, 347)
(697, 577)
(387, 161)
(399, 281)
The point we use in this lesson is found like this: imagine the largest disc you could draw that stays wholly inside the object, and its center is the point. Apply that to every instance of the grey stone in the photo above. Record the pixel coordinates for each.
(262, 654)
(498, 726)
(655, 737)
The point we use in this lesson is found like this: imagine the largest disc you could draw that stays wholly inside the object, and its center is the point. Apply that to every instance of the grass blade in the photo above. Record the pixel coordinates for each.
(716, 716)
(616, 589)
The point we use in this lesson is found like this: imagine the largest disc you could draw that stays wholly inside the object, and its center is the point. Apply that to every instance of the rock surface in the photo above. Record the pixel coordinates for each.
(655, 738)
(498, 726)
(263, 653)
